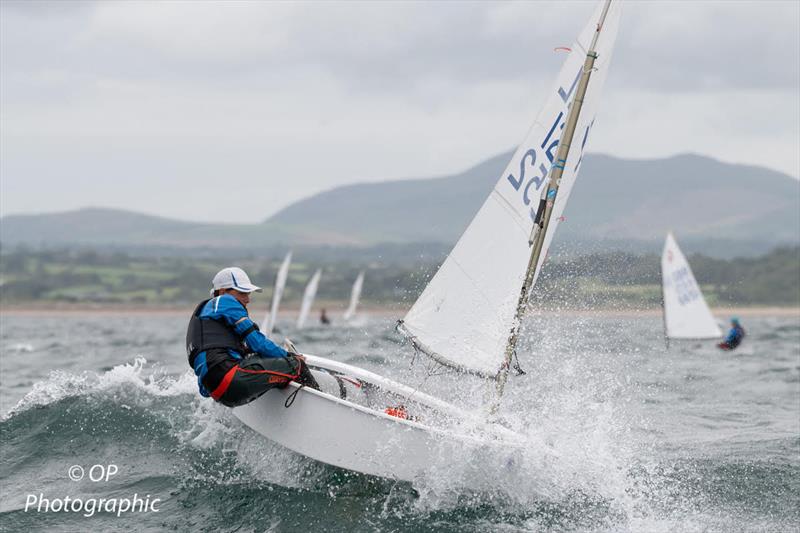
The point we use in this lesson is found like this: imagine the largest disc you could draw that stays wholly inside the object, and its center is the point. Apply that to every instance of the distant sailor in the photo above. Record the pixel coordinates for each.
(235, 363)
(735, 336)
(323, 318)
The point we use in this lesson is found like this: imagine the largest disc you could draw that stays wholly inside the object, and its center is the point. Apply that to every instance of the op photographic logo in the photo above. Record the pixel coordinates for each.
(97, 473)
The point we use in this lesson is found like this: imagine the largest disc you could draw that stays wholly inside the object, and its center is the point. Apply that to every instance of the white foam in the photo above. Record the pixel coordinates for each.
(21, 347)
(570, 408)
(213, 426)
(61, 384)
(202, 424)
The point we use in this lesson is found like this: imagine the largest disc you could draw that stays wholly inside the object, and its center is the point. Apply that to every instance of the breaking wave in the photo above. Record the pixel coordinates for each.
(592, 463)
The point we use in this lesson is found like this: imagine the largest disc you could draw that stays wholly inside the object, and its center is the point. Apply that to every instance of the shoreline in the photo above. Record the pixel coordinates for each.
(43, 309)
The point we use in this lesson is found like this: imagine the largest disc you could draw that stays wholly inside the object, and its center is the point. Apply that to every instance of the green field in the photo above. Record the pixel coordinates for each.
(599, 280)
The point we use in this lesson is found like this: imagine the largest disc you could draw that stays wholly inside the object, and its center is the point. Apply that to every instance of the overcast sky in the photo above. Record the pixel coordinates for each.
(229, 111)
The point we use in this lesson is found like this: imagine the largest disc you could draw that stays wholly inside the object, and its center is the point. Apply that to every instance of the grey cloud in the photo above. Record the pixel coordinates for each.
(662, 46)
(685, 46)
(46, 8)
(165, 94)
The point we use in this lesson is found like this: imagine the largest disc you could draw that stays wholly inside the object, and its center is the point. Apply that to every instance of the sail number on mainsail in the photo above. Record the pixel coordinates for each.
(685, 286)
(547, 148)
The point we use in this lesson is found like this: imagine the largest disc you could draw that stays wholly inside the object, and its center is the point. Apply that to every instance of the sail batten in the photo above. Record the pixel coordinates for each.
(465, 313)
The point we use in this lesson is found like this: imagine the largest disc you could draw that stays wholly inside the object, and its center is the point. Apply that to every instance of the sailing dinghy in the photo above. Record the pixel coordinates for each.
(277, 293)
(686, 313)
(308, 298)
(469, 315)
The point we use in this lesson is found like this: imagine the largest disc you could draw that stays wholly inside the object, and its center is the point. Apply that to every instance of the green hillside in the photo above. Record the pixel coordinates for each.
(720, 208)
(609, 279)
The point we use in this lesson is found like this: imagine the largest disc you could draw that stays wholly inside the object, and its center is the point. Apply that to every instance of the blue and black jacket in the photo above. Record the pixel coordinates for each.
(219, 336)
(735, 336)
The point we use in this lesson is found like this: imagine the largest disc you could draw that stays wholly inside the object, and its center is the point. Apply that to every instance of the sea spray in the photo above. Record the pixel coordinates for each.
(647, 439)
(61, 384)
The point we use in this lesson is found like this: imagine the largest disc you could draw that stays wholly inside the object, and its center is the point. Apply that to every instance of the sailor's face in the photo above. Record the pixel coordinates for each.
(242, 297)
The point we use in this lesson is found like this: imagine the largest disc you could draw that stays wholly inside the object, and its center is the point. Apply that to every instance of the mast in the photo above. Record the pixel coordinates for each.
(664, 301)
(546, 202)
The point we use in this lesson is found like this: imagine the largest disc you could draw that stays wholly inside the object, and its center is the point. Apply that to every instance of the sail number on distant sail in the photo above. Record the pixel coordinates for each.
(685, 286)
(527, 165)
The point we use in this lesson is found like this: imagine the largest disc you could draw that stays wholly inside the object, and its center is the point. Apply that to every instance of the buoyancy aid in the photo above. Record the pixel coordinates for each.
(214, 337)
(737, 337)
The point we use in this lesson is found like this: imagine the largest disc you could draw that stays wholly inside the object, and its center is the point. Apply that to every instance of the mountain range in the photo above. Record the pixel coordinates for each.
(719, 208)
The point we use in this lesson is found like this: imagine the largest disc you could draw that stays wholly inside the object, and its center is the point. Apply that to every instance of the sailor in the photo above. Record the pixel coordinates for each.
(323, 318)
(235, 363)
(735, 336)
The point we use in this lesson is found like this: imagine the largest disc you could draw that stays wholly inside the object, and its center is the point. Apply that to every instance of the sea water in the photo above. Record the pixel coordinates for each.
(623, 434)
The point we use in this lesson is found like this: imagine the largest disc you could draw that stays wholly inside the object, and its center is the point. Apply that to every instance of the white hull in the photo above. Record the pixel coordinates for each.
(354, 437)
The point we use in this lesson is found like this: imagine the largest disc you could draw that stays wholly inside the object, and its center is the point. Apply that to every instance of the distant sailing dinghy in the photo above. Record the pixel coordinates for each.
(469, 315)
(355, 297)
(308, 298)
(277, 293)
(686, 313)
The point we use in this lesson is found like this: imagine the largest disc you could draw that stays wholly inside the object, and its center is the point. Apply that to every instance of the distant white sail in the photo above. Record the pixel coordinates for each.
(466, 312)
(308, 298)
(686, 313)
(355, 296)
(280, 283)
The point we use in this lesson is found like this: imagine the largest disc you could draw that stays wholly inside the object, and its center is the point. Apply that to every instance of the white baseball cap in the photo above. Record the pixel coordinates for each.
(234, 278)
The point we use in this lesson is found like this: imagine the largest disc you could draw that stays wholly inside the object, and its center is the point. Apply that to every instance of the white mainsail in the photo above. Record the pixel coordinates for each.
(280, 283)
(465, 313)
(355, 296)
(314, 427)
(308, 298)
(686, 313)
